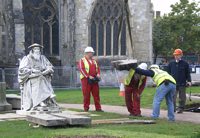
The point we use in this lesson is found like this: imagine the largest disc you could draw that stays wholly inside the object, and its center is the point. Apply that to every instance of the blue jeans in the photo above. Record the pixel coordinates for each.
(168, 93)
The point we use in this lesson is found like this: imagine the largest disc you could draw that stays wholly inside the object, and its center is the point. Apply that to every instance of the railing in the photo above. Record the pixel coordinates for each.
(68, 77)
(65, 77)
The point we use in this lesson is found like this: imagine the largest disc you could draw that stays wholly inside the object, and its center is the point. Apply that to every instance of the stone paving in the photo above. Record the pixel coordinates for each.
(11, 116)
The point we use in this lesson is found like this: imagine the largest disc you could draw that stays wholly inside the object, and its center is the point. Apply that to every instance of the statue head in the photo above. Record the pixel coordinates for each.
(35, 51)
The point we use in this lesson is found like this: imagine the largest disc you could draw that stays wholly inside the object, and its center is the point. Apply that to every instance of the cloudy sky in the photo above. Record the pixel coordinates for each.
(164, 5)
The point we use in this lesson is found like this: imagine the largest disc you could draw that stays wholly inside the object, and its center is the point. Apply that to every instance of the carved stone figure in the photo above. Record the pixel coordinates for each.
(34, 75)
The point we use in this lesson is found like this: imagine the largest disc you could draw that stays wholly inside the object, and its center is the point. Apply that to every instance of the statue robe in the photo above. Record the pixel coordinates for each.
(34, 89)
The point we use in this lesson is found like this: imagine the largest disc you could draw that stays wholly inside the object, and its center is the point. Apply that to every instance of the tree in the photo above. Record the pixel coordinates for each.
(162, 38)
(178, 29)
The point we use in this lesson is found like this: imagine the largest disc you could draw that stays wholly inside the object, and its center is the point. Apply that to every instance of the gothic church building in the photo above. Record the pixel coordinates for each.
(66, 27)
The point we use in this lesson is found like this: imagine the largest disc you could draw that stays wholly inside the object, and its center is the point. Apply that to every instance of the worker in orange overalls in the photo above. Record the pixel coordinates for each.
(90, 76)
(134, 85)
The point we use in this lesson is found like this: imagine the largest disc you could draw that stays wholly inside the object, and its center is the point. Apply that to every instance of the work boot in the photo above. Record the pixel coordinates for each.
(99, 110)
(133, 115)
(86, 110)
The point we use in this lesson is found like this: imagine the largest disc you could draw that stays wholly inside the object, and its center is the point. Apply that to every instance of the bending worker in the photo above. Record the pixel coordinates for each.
(166, 87)
(134, 85)
(90, 75)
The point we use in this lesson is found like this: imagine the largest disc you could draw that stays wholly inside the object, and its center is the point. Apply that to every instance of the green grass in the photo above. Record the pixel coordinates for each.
(111, 96)
(108, 96)
(104, 115)
(162, 129)
(193, 89)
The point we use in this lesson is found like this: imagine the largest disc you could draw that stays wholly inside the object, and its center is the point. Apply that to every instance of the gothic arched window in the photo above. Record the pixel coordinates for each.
(41, 24)
(104, 28)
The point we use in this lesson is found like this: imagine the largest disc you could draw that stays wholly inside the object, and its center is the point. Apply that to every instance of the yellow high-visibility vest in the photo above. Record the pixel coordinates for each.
(87, 66)
(160, 76)
(129, 77)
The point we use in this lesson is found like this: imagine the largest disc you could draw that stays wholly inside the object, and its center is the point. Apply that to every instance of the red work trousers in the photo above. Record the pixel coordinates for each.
(132, 98)
(87, 90)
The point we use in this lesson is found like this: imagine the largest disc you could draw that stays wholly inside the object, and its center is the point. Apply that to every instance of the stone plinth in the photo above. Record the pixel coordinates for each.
(46, 120)
(4, 106)
(14, 100)
(58, 119)
(74, 119)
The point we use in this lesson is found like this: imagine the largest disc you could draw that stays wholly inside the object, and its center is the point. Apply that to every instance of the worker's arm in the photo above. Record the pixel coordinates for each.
(149, 73)
(82, 69)
(169, 68)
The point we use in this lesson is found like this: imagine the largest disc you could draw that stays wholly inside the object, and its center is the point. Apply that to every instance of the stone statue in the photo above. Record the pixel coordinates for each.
(34, 76)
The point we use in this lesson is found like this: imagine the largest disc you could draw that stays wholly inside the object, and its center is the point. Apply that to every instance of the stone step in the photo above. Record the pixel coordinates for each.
(47, 120)
(14, 100)
(58, 119)
(74, 119)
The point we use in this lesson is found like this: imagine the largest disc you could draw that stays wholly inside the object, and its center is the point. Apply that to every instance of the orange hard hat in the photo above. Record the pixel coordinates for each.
(178, 52)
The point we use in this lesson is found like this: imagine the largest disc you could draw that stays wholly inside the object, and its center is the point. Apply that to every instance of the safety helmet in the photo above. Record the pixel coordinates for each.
(89, 49)
(143, 66)
(178, 52)
(154, 66)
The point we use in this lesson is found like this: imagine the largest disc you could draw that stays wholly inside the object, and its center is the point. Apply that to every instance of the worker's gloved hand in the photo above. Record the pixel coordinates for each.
(97, 79)
(189, 84)
(90, 81)
(93, 80)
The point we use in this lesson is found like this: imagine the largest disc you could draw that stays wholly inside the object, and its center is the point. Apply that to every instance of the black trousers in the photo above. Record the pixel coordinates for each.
(181, 91)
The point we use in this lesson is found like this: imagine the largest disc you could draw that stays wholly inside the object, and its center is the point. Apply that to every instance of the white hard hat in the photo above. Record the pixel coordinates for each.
(143, 66)
(89, 49)
(154, 66)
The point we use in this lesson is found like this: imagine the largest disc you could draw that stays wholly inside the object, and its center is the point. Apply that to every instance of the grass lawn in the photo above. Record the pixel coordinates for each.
(162, 129)
(110, 96)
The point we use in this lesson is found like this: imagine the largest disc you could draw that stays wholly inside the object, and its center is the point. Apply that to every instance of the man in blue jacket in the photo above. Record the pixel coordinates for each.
(180, 70)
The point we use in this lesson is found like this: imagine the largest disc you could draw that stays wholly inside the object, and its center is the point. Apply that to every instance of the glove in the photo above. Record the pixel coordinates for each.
(90, 81)
(94, 80)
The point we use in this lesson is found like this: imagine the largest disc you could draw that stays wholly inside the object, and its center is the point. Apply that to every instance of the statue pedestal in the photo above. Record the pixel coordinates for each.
(47, 110)
(4, 106)
(59, 119)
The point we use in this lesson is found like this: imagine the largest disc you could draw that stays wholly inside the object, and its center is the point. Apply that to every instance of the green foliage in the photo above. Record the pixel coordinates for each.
(179, 29)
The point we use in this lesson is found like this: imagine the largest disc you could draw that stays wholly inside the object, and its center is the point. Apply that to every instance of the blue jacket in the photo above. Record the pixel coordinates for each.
(180, 71)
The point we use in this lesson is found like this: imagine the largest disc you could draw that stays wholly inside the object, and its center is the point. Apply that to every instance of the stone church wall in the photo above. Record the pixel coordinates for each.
(74, 19)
